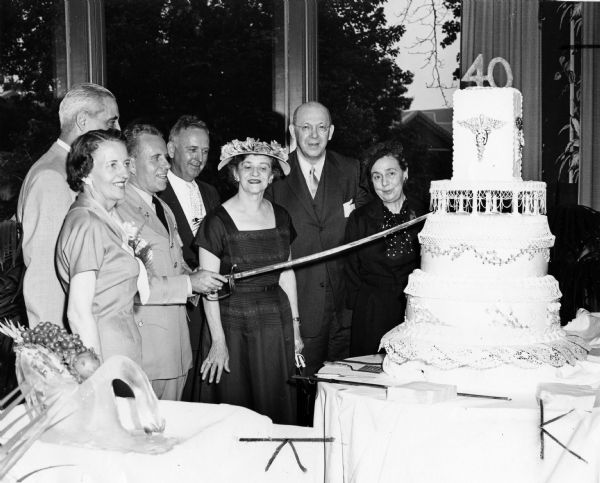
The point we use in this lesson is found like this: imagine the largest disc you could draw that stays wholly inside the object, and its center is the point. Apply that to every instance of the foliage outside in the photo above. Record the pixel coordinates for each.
(214, 59)
(568, 160)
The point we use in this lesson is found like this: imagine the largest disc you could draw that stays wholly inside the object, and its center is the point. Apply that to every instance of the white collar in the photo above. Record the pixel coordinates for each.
(305, 165)
(147, 197)
(63, 145)
(174, 179)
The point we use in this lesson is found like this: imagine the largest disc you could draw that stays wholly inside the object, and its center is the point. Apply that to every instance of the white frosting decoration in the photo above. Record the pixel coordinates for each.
(486, 245)
(486, 132)
(525, 197)
(482, 306)
(482, 289)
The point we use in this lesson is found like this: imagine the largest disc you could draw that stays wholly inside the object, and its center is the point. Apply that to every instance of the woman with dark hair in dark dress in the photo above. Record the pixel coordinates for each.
(377, 273)
(248, 354)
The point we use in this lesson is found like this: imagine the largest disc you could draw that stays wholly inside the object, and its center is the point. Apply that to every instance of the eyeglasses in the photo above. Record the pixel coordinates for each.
(307, 128)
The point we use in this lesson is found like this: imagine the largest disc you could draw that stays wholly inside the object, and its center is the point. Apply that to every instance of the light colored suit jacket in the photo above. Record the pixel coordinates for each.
(166, 351)
(44, 201)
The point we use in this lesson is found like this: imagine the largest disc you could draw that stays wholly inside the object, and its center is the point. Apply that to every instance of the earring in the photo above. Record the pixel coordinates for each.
(237, 180)
(87, 181)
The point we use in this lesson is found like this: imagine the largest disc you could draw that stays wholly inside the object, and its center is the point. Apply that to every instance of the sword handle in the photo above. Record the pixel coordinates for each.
(227, 288)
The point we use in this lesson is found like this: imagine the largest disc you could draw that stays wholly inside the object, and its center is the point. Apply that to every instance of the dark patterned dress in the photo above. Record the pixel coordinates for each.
(377, 273)
(256, 318)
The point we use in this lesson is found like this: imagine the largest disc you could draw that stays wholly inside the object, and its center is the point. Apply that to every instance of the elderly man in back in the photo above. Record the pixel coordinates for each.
(45, 199)
(166, 351)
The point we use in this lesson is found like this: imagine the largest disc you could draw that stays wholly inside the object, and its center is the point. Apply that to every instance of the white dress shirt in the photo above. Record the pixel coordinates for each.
(182, 189)
(306, 166)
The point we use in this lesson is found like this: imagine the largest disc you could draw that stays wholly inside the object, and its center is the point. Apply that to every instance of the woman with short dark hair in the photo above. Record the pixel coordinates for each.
(96, 266)
(377, 273)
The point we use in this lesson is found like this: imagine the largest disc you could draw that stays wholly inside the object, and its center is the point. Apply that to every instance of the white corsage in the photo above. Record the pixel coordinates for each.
(143, 254)
(141, 248)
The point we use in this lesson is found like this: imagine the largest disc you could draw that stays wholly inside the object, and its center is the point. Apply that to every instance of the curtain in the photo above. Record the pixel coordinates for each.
(509, 29)
(589, 155)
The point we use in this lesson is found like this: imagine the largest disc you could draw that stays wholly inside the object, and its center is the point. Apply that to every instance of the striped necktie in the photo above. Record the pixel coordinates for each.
(313, 182)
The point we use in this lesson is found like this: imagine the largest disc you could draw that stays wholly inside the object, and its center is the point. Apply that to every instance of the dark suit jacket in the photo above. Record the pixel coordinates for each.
(210, 198)
(320, 224)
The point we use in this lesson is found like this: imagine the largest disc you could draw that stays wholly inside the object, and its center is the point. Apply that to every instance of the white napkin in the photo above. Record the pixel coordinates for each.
(585, 325)
(566, 396)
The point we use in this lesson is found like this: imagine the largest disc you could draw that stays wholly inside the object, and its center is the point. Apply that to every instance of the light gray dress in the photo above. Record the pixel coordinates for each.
(90, 240)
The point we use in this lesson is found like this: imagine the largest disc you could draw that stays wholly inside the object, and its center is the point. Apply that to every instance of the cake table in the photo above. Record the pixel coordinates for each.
(462, 440)
(210, 451)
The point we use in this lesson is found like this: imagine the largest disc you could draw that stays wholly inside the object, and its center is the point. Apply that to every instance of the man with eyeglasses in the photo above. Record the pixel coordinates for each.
(45, 199)
(320, 192)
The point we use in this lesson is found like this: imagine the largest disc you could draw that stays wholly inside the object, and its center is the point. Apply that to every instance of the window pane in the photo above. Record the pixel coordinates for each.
(561, 87)
(212, 59)
(368, 76)
(30, 35)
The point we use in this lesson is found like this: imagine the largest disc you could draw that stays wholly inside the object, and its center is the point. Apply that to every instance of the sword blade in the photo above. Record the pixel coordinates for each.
(327, 253)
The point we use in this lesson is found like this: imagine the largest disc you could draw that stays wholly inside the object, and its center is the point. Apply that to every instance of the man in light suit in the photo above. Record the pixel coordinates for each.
(45, 199)
(166, 351)
(190, 200)
(320, 192)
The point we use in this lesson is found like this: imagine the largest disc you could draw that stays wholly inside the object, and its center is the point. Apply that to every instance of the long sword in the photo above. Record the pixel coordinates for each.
(327, 253)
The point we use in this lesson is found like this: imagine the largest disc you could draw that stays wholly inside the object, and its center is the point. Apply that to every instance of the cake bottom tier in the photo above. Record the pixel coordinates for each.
(451, 348)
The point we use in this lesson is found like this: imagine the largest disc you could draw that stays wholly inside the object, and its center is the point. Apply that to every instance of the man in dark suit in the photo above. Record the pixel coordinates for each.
(190, 200)
(320, 192)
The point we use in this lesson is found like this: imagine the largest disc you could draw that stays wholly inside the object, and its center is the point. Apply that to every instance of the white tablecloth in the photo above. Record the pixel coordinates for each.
(463, 440)
(209, 452)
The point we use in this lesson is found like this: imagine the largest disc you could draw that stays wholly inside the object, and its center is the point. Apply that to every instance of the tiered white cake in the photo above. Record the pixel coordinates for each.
(482, 298)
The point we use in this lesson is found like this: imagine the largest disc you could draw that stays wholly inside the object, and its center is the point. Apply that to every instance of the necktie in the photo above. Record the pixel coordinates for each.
(313, 182)
(197, 206)
(160, 212)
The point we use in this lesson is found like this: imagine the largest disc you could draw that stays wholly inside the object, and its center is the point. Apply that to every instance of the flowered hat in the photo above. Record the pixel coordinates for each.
(254, 146)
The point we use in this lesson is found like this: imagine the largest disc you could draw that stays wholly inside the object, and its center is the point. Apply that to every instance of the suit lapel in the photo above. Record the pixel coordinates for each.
(207, 200)
(332, 177)
(144, 212)
(183, 227)
(298, 187)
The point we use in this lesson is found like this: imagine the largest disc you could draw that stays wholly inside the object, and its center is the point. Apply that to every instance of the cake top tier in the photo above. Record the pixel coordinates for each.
(487, 129)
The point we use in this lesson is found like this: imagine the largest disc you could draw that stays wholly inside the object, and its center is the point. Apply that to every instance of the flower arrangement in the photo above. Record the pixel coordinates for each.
(253, 146)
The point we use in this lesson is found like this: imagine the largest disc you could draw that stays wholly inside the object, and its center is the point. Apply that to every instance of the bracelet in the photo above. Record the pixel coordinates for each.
(296, 319)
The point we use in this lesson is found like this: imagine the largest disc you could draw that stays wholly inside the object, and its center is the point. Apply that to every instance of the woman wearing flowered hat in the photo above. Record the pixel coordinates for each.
(253, 334)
